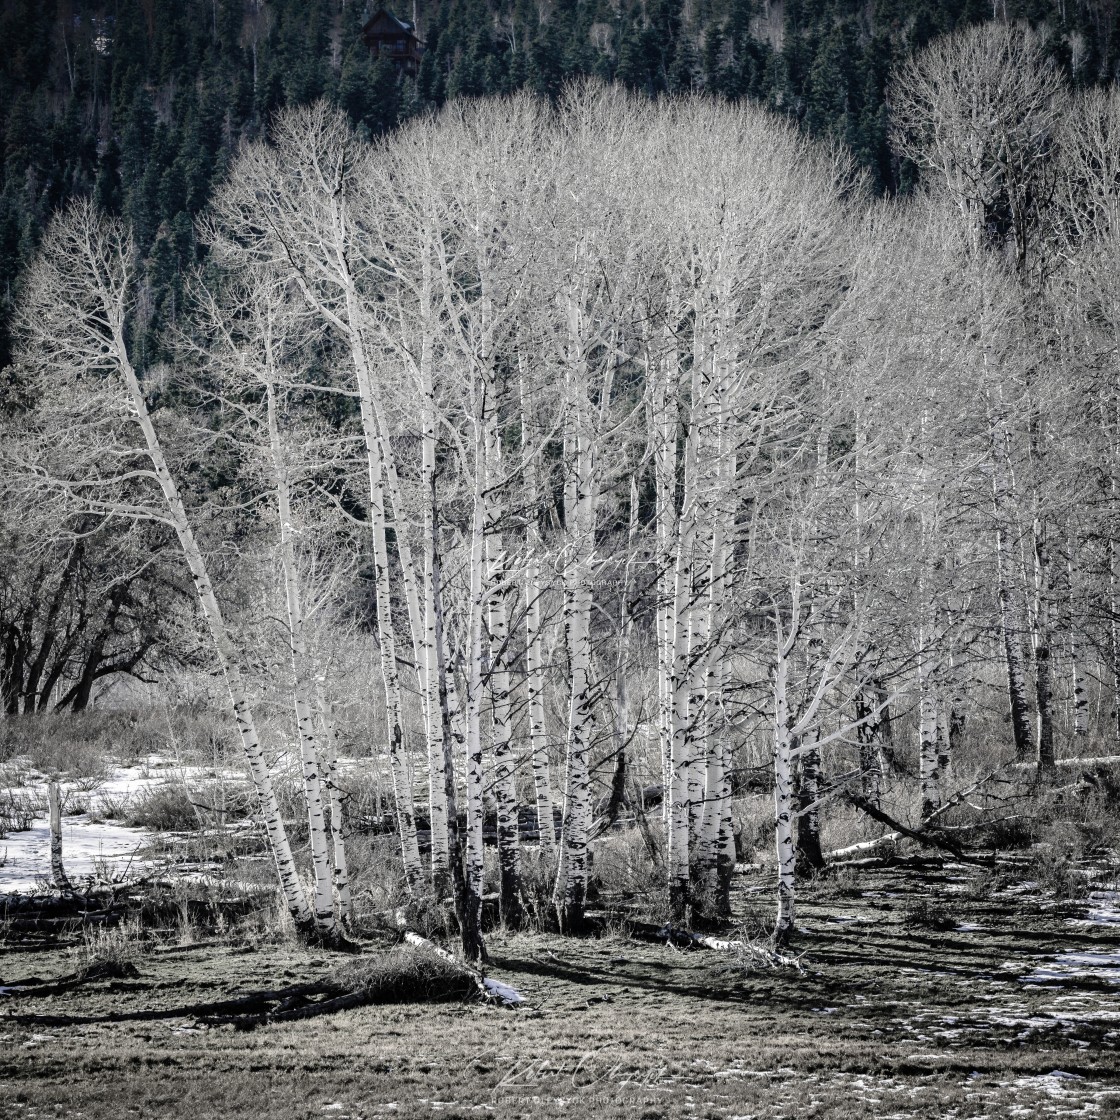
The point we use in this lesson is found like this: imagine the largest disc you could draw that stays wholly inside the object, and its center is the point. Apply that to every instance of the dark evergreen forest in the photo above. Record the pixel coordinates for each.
(142, 104)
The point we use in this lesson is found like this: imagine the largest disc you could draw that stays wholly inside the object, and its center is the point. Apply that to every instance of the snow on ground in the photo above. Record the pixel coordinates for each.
(1070, 965)
(1104, 910)
(94, 848)
(90, 850)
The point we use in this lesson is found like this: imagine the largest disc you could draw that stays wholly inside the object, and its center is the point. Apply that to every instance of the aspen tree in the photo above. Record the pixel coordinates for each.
(979, 109)
(74, 322)
(250, 343)
(304, 187)
(1090, 206)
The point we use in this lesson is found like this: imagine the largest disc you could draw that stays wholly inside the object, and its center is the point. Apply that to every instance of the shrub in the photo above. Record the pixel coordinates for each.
(166, 807)
(924, 913)
(112, 951)
(406, 974)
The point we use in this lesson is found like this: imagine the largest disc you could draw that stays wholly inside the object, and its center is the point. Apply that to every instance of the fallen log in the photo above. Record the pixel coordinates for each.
(687, 939)
(886, 844)
(1100, 760)
(927, 838)
(490, 989)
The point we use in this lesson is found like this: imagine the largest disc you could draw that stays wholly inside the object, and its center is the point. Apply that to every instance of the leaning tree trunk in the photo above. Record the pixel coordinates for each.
(294, 896)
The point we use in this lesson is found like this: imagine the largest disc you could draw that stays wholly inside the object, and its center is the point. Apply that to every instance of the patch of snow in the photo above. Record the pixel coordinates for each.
(89, 850)
(1104, 910)
(1069, 965)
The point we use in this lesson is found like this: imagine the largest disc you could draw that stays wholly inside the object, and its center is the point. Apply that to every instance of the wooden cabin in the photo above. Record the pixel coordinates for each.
(394, 39)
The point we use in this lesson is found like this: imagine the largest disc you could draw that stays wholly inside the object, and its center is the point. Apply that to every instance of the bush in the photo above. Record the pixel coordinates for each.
(625, 876)
(112, 951)
(164, 808)
(538, 877)
(406, 974)
(921, 913)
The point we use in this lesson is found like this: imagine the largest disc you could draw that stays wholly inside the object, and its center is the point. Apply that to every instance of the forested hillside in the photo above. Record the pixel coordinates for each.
(142, 105)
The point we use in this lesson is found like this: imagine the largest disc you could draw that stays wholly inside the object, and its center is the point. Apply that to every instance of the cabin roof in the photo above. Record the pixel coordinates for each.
(385, 23)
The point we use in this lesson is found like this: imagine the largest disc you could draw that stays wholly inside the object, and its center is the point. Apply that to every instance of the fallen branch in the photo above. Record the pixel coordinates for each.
(926, 838)
(686, 939)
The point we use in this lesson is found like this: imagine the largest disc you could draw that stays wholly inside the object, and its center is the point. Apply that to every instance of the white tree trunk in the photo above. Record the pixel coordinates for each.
(1011, 608)
(534, 653)
(475, 807)
(579, 518)
(928, 776)
(1041, 640)
(301, 685)
(294, 896)
(783, 800)
(427, 659)
(338, 840)
(498, 596)
(54, 803)
(1079, 692)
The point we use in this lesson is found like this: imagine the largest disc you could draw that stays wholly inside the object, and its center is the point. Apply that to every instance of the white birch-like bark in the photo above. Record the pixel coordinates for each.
(1041, 639)
(661, 374)
(334, 790)
(497, 599)
(474, 682)
(928, 776)
(716, 852)
(534, 674)
(1079, 692)
(1114, 630)
(437, 795)
(579, 517)
(682, 782)
(398, 759)
(89, 258)
(301, 684)
(312, 234)
(783, 795)
(534, 649)
(54, 804)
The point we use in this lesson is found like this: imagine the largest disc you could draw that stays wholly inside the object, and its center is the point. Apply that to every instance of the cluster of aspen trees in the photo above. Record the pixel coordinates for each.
(660, 433)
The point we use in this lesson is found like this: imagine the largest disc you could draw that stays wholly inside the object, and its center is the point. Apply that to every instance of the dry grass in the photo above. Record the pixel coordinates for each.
(885, 1020)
